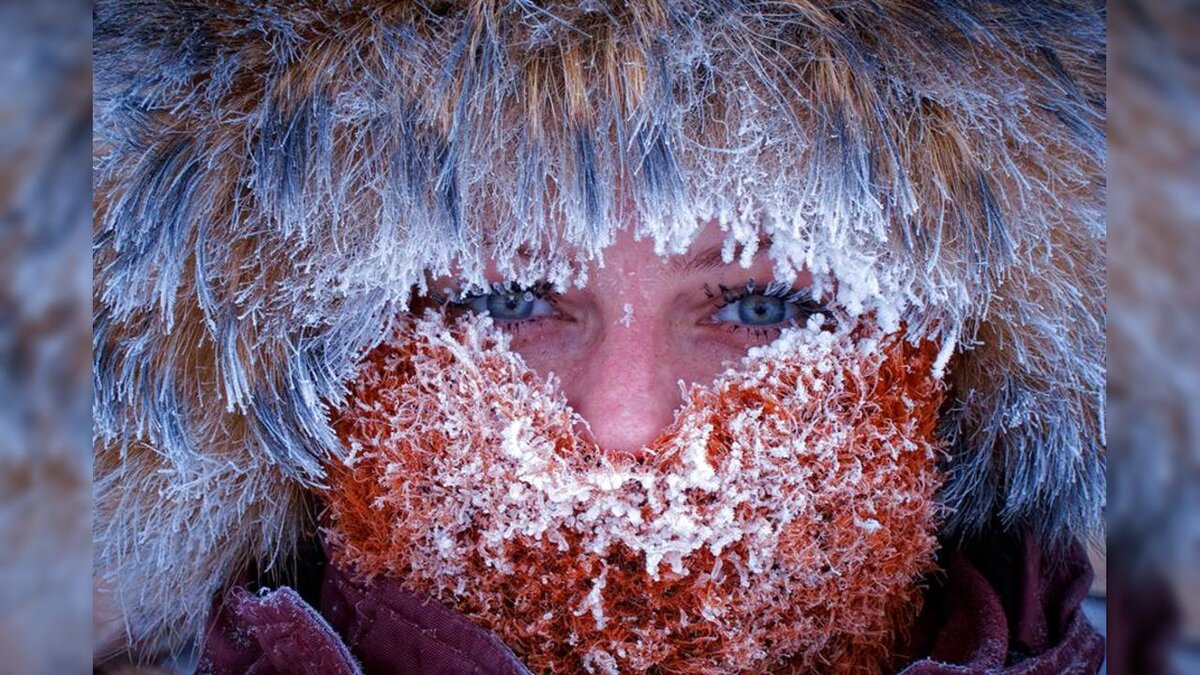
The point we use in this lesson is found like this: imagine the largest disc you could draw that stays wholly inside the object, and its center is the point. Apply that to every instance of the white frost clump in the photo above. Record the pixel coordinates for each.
(627, 315)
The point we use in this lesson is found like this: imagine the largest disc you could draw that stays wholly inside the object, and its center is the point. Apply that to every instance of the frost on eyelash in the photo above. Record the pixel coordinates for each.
(462, 482)
(852, 269)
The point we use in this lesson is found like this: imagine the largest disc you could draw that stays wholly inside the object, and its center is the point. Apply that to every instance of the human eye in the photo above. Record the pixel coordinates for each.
(773, 306)
(509, 302)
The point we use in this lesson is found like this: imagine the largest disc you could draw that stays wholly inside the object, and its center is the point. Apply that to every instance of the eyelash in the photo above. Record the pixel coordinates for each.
(460, 297)
(724, 295)
(460, 300)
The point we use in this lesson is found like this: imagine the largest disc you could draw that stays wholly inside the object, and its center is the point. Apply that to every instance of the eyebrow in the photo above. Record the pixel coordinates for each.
(707, 259)
(710, 258)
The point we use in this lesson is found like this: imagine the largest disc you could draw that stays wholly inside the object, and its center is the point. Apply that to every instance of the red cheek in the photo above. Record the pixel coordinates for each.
(547, 344)
(730, 342)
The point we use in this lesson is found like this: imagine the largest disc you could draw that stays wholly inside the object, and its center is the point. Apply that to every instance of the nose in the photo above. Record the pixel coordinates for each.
(624, 387)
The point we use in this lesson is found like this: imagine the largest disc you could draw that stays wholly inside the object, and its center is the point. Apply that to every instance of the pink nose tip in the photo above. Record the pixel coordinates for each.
(625, 391)
(621, 429)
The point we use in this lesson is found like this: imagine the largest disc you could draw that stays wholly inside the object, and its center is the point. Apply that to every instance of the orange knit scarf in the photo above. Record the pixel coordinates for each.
(783, 523)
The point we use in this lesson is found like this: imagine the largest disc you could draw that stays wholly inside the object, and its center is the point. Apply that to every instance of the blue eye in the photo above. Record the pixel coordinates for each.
(756, 309)
(764, 310)
(512, 305)
(761, 307)
(509, 306)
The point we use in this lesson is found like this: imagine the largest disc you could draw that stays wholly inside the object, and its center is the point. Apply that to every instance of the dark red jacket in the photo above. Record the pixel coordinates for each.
(1004, 607)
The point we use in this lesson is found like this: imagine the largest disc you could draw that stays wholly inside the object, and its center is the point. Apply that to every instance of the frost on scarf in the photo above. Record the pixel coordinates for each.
(783, 520)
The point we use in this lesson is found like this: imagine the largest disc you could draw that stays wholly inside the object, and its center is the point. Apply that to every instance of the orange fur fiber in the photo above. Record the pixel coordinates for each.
(781, 524)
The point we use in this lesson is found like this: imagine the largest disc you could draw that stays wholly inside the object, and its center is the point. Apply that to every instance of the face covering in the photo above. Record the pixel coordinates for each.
(783, 521)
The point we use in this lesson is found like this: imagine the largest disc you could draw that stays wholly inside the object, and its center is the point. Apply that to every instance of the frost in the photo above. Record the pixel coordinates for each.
(346, 217)
(627, 315)
(594, 602)
(600, 661)
(949, 342)
(869, 525)
(354, 450)
(512, 441)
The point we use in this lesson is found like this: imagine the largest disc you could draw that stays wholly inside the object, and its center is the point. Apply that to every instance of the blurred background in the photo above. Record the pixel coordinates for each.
(1153, 576)
(1149, 572)
(45, 338)
(45, 314)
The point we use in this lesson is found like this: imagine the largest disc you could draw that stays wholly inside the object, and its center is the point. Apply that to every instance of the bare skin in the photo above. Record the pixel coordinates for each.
(643, 324)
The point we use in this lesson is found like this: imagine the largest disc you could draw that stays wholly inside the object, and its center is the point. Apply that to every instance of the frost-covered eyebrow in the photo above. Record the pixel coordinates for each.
(709, 258)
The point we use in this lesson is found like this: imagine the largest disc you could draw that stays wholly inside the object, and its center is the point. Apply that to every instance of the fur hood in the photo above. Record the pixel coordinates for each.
(273, 178)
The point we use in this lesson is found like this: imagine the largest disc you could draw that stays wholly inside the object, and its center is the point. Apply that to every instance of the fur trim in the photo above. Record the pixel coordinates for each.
(273, 178)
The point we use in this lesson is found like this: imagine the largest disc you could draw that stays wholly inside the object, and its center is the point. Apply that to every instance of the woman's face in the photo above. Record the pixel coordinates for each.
(642, 325)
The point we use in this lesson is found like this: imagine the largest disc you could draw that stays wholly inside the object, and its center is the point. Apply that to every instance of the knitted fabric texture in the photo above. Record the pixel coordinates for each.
(783, 520)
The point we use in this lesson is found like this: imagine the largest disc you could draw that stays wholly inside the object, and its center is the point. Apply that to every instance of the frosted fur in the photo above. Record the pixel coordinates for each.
(271, 180)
